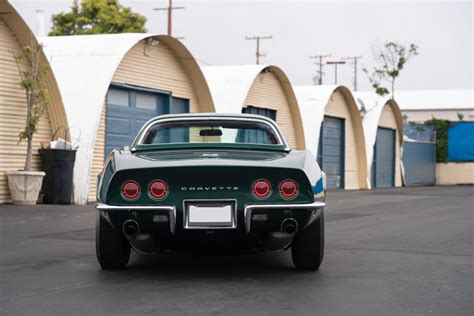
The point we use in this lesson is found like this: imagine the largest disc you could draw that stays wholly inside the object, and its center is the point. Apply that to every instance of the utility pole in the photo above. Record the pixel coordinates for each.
(335, 63)
(170, 9)
(258, 38)
(354, 62)
(320, 64)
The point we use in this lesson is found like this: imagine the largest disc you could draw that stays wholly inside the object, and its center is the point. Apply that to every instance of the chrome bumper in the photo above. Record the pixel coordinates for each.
(249, 208)
(170, 209)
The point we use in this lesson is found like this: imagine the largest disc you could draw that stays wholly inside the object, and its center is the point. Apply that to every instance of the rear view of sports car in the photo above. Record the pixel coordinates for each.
(210, 182)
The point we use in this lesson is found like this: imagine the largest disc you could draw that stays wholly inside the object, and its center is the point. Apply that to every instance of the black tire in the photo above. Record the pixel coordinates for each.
(307, 249)
(111, 247)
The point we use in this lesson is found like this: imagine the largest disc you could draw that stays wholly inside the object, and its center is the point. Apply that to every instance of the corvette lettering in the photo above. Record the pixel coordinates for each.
(209, 188)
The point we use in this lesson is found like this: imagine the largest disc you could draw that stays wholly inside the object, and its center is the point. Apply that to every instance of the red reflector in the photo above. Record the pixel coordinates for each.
(158, 189)
(130, 190)
(288, 189)
(261, 189)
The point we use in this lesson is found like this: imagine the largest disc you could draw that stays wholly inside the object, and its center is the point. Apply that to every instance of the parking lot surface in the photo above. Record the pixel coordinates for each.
(393, 251)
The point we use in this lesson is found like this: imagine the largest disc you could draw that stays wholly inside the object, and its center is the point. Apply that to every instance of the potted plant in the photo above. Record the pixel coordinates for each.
(25, 184)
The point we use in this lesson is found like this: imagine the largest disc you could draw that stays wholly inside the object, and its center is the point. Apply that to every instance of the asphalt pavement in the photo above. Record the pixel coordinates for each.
(393, 251)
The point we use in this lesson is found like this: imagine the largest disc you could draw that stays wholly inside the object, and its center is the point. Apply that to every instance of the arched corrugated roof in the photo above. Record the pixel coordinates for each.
(230, 86)
(313, 101)
(85, 66)
(18, 26)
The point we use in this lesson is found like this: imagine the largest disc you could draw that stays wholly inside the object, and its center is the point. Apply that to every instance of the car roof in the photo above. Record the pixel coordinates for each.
(211, 115)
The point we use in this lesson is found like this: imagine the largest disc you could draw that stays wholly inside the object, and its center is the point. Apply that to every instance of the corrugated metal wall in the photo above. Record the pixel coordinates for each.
(98, 160)
(267, 92)
(13, 113)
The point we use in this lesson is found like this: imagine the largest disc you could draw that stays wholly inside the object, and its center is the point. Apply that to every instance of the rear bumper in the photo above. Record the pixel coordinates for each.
(158, 216)
(155, 210)
(249, 209)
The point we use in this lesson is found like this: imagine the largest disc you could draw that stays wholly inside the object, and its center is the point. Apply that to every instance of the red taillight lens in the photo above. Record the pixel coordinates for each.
(261, 189)
(130, 190)
(158, 189)
(288, 189)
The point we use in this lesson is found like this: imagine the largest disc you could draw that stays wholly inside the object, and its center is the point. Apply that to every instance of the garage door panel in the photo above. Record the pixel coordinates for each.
(334, 181)
(331, 134)
(139, 124)
(119, 111)
(329, 160)
(383, 168)
(332, 150)
(118, 126)
(117, 141)
(332, 170)
(117, 138)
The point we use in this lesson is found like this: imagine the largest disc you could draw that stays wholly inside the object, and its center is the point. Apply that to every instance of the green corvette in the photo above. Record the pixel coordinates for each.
(210, 182)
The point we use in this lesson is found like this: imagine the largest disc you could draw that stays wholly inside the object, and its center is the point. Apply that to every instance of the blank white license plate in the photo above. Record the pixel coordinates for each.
(208, 215)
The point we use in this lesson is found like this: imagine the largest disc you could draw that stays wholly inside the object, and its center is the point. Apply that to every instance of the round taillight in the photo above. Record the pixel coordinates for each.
(130, 190)
(158, 189)
(288, 189)
(261, 189)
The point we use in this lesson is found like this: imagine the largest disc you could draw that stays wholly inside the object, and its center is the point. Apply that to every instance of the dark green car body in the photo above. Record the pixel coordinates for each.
(210, 173)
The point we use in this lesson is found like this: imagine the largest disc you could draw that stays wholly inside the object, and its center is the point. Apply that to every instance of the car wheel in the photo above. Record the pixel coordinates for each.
(307, 249)
(111, 247)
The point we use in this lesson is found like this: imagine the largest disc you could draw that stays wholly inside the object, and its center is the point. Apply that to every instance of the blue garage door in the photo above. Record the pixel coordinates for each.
(383, 163)
(128, 109)
(331, 151)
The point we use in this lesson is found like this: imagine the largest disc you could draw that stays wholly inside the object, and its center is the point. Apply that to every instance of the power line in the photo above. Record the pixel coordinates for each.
(320, 64)
(170, 9)
(353, 60)
(258, 38)
(335, 63)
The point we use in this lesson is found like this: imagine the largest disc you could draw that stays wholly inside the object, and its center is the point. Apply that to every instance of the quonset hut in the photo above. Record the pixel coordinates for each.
(112, 84)
(257, 89)
(333, 132)
(383, 131)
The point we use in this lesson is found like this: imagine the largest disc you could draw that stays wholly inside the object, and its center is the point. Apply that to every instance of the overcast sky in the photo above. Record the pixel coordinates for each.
(214, 31)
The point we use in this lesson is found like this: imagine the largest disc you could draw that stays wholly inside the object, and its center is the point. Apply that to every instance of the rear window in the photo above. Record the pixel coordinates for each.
(205, 131)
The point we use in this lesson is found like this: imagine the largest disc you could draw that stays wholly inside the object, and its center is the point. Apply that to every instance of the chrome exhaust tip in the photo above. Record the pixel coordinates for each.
(289, 226)
(130, 228)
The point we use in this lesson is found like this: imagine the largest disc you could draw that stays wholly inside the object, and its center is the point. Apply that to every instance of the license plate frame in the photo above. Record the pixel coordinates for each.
(198, 214)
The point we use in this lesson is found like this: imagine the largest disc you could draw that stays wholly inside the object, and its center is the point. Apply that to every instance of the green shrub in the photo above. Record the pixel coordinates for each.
(441, 127)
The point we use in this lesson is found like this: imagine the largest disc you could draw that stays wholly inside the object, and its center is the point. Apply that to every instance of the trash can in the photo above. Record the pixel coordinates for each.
(58, 164)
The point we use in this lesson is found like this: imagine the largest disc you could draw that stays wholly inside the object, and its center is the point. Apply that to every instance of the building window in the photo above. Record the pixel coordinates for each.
(118, 97)
(260, 111)
(146, 101)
